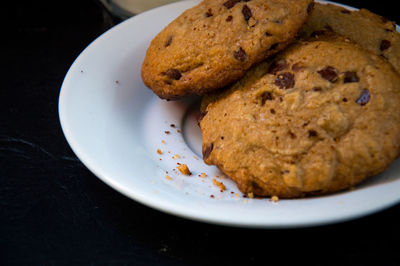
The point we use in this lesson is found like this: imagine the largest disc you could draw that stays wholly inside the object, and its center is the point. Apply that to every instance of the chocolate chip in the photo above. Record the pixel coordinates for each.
(272, 111)
(207, 151)
(209, 13)
(268, 34)
(350, 76)
(312, 133)
(285, 80)
(310, 7)
(240, 55)
(169, 41)
(277, 66)
(329, 73)
(229, 18)
(344, 100)
(317, 89)
(173, 73)
(230, 3)
(385, 44)
(246, 13)
(364, 97)
(345, 11)
(292, 135)
(266, 96)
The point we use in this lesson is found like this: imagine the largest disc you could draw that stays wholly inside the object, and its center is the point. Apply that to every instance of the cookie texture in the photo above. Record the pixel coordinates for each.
(213, 44)
(319, 118)
(371, 31)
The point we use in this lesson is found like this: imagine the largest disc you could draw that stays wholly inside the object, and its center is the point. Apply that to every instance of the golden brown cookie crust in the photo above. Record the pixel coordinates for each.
(323, 116)
(371, 31)
(214, 43)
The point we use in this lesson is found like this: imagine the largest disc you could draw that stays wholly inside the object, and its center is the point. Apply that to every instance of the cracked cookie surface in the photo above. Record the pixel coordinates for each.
(213, 44)
(319, 118)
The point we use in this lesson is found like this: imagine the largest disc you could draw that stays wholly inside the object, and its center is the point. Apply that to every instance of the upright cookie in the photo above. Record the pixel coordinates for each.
(371, 31)
(214, 43)
(323, 116)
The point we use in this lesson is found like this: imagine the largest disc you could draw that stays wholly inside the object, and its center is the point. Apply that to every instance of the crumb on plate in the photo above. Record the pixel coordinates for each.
(219, 184)
(184, 169)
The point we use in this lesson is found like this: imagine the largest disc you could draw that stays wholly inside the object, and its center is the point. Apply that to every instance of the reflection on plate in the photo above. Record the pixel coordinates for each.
(134, 141)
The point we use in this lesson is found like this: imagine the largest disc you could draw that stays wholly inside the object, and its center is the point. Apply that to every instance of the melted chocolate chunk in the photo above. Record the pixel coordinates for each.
(246, 13)
(329, 73)
(209, 13)
(312, 133)
(266, 96)
(173, 73)
(385, 44)
(310, 7)
(230, 3)
(240, 55)
(229, 18)
(277, 66)
(207, 151)
(364, 97)
(350, 76)
(285, 80)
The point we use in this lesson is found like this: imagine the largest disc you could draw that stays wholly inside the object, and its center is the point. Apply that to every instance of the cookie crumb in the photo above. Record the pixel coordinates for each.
(163, 141)
(168, 177)
(177, 156)
(203, 175)
(212, 196)
(250, 195)
(274, 198)
(219, 184)
(184, 169)
(167, 132)
(237, 195)
(159, 151)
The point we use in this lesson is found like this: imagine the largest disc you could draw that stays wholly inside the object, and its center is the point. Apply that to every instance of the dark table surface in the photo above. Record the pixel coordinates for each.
(54, 211)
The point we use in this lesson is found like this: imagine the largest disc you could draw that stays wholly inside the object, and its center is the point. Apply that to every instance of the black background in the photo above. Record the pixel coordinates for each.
(53, 211)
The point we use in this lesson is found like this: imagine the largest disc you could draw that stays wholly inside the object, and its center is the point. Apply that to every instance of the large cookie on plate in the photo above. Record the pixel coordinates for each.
(373, 32)
(321, 117)
(214, 43)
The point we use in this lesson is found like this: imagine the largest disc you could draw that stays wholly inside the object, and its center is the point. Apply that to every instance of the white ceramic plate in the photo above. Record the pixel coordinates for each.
(115, 125)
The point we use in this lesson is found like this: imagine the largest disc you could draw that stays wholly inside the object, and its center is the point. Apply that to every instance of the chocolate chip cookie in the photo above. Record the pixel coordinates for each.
(214, 43)
(319, 118)
(371, 31)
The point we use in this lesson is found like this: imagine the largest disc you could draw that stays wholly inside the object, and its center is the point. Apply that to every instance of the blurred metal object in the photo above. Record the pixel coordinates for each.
(124, 9)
